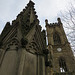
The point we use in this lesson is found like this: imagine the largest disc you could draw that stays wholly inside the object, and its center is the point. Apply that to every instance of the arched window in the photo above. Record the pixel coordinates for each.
(62, 64)
(56, 39)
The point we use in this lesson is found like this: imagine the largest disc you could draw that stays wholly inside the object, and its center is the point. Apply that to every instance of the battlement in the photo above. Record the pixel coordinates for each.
(53, 24)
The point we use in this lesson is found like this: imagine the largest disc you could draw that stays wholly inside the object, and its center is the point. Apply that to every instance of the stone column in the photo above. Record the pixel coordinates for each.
(43, 66)
(21, 65)
(9, 63)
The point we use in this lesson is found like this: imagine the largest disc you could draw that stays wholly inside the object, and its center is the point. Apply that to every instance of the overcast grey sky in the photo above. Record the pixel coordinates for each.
(46, 9)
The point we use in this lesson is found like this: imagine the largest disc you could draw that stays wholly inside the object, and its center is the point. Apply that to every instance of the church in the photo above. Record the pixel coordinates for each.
(23, 48)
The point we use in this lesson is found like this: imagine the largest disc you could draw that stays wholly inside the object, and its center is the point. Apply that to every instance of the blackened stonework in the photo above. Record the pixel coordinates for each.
(24, 42)
(62, 57)
(24, 49)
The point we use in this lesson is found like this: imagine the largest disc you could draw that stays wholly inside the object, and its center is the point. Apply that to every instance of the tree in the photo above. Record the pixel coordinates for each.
(68, 18)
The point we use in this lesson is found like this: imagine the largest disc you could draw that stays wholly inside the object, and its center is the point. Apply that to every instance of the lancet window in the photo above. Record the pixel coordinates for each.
(56, 39)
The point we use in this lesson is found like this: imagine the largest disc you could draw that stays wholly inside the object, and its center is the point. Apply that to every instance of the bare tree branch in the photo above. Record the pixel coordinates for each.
(68, 18)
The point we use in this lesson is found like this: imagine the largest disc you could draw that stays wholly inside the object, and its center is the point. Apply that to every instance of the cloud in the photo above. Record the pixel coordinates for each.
(9, 10)
(44, 8)
(48, 9)
(1, 25)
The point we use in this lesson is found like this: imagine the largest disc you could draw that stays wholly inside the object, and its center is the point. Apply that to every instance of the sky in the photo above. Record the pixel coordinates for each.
(46, 9)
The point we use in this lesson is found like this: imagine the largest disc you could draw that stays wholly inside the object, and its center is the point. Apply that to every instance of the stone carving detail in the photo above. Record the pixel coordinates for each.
(32, 47)
(13, 45)
(24, 42)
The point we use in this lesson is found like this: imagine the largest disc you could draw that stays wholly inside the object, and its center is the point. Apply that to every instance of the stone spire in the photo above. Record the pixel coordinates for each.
(29, 12)
(28, 18)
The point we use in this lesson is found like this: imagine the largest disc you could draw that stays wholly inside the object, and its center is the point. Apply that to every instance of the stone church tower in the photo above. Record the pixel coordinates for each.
(60, 57)
(23, 49)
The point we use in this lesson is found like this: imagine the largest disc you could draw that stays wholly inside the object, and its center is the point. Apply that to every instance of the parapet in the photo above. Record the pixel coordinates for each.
(58, 23)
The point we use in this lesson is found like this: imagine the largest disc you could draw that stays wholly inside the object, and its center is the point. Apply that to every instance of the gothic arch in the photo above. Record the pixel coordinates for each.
(13, 43)
(62, 64)
(56, 38)
(15, 39)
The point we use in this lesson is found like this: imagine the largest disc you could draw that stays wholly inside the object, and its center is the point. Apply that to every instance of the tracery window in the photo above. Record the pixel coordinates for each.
(56, 39)
(62, 64)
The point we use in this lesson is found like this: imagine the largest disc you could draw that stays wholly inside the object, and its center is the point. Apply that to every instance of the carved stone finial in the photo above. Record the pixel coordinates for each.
(59, 20)
(8, 23)
(46, 21)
